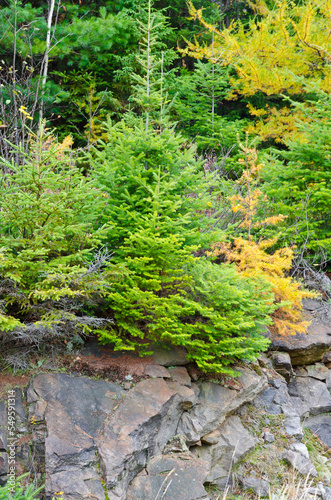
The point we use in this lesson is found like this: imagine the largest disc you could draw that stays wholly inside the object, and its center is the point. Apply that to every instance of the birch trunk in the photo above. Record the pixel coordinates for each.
(46, 56)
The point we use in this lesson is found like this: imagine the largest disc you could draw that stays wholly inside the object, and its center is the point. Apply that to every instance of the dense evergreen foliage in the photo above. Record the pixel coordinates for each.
(129, 206)
(299, 178)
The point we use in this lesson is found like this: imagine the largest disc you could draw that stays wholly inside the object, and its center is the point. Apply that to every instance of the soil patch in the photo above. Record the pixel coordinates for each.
(8, 381)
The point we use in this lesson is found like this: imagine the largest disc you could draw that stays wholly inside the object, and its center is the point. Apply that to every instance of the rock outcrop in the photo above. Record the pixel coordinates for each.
(313, 393)
(75, 409)
(216, 402)
(300, 463)
(168, 434)
(139, 429)
(320, 425)
(170, 477)
(100, 437)
(308, 347)
(234, 442)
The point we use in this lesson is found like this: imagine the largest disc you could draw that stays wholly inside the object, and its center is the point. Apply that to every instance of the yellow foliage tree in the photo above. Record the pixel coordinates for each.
(251, 257)
(279, 46)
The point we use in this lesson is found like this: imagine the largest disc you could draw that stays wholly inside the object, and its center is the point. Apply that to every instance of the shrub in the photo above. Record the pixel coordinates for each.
(48, 211)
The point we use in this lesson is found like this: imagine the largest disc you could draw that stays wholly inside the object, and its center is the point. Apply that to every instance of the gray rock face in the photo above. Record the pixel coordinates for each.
(293, 427)
(318, 371)
(157, 371)
(139, 429)
(234, 442)
(77, 482)
(76, 410)
(268, 437)
(266, 398)
(176, 444)
(179, 374)
(191, 427)
(300, 448)
(301, 371)
(292, 422)
(320, 492)
(261, 487)
(3, 426)
(20, 410)
(22, 454)
(313, 393)
(101, 438)
(320, 425)
(282, 364)
(187, 394)
(168, 357)
(273, 398)
(305, 348)
(211, 438)
(312, 305)
(179, 476)
(3, 468)
(328, 379)
(300, 406)
(3, 440)
(96, 431)
(216, 402)
(276, 400)
(37, 411)
(3, 464)
(300, 463)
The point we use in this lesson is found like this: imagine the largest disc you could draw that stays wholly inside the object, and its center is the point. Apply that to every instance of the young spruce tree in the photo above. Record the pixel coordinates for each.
(158, 201)
(48, 240)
